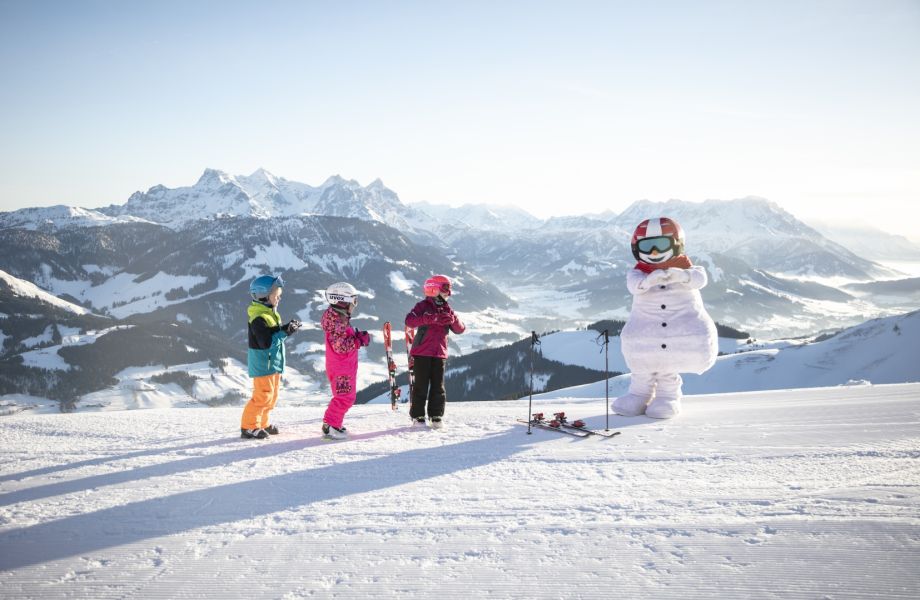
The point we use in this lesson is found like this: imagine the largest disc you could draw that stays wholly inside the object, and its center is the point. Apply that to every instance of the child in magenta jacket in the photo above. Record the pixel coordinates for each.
(342, 343)
(433, 319)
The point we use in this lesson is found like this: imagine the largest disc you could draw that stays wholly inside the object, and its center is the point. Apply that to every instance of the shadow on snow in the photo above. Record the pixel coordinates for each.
(238, 501)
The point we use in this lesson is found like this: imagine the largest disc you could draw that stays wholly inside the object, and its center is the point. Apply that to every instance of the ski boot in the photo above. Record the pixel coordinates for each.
(334, 433)
(253, 434)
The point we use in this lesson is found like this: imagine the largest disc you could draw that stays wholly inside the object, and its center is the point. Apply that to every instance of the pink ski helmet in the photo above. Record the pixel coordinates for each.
(437, 285)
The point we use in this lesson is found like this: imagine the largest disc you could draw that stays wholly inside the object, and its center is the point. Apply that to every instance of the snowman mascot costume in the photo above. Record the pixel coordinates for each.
(668, 331)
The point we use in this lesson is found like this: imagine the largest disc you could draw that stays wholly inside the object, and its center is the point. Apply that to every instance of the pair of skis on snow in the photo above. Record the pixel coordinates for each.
(395, 392)
(560, 423)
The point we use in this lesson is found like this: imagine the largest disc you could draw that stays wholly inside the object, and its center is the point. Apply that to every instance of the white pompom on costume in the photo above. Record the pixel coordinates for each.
(668, 332)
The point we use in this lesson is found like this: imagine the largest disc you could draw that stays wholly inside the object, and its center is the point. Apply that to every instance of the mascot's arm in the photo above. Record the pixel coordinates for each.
(638, 282)
(693, 278)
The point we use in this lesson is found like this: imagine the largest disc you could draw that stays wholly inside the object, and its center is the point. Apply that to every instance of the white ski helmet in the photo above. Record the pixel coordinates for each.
(342, 294)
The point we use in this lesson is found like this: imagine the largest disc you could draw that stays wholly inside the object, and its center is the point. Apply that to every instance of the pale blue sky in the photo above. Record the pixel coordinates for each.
(558, 107)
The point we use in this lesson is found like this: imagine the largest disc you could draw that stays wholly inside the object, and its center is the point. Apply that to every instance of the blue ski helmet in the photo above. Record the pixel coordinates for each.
(263, 285)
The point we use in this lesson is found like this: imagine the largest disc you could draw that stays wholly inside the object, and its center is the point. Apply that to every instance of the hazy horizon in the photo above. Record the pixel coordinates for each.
(555, 109)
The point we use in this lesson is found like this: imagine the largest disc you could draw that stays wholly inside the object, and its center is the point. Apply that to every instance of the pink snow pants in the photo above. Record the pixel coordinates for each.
(342, 372)
(343, 397)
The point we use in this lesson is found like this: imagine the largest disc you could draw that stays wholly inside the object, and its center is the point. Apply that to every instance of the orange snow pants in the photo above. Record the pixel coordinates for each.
(264, 397)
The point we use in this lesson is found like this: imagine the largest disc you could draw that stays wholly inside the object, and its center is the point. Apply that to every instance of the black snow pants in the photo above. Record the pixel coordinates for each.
(429, 384)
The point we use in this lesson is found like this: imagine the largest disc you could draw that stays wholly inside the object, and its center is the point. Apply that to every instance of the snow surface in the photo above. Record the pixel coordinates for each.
(14, 403)
(123, 295)
(788, 494)
(45, 358)
(542, 301)
(48, 358)
(26, 289)
(399, 283)
(36, 340)
(136, 390)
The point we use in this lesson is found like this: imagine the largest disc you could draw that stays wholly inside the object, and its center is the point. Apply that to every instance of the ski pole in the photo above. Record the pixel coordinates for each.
(606, 343)
(607, 376)
(534, 340)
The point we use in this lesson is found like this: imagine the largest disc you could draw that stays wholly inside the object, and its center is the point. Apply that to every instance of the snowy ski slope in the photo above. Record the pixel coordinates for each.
(805, 493)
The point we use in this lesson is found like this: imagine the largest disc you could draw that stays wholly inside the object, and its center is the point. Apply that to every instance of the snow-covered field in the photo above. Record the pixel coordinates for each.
(786, 494)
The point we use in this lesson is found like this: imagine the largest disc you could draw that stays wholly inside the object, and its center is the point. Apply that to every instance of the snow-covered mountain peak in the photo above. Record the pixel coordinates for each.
(211, 179)
(263, 174)
(60, 216)
(728, 219)
(155, 190)
(338, 180)
(263, 195)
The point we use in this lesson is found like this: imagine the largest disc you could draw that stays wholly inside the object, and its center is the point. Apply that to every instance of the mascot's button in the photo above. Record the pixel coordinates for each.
(661, 286)
(662, 306)
(664, 345)
(664, 324)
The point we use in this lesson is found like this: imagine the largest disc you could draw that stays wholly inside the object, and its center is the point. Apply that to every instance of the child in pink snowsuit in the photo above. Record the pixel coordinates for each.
(342, 343)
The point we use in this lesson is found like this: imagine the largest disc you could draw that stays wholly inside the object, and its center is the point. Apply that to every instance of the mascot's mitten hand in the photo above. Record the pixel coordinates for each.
(656, 277)
(679, 275)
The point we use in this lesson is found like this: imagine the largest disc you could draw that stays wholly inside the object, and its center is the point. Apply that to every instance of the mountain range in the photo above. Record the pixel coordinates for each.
(176, 263)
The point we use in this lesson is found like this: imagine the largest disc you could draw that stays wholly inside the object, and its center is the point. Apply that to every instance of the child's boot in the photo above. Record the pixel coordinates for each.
(334, 433)
(253, 434)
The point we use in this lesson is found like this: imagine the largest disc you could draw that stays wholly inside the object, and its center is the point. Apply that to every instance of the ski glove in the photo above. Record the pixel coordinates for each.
(292, 326)
(445, 319)
(363, 337)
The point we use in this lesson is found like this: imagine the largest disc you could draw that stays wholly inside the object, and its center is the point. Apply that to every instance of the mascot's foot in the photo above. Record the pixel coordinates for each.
(630, 405)
(663, 408)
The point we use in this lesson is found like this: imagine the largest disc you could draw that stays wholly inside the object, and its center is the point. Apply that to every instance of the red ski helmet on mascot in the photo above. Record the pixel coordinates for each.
(437, 285)
(658, 228)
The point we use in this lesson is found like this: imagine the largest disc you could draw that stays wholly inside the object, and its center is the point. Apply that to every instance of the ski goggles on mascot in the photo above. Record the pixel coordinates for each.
(661, 243)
